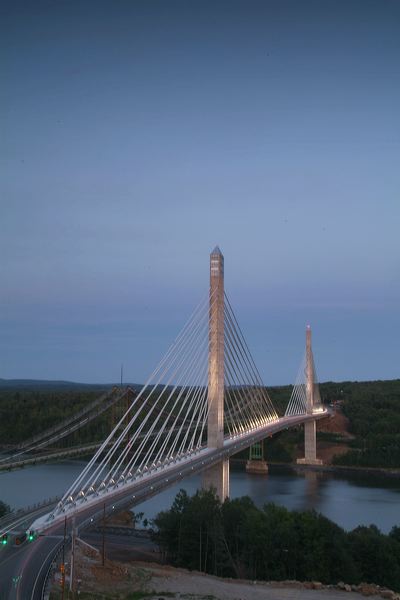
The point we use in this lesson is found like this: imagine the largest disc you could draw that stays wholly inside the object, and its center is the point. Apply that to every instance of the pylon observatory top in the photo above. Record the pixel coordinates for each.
(217, 263)
(217, 251)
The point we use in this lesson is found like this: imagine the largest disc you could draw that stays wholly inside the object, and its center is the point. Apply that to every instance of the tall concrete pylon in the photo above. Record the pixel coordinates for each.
(310, 433)
(217, 476)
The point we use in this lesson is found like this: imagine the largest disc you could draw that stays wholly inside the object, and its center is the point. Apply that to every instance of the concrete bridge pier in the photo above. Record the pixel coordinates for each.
(310, 428)
(217, 476)
(257, 463)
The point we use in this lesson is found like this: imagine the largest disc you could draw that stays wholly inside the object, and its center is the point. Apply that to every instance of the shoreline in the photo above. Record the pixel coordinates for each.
(384, 471)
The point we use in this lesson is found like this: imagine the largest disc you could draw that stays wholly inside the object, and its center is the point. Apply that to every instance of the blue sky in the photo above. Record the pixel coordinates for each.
(135, 136)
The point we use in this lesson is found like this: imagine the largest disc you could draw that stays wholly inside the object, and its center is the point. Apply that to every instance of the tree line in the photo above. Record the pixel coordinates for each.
(373, 409)
(24, 413)
(4, 509)
(237, 539)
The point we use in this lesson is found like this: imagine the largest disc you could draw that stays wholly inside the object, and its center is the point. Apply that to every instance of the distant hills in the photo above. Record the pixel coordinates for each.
(44, 384)
(59, 385)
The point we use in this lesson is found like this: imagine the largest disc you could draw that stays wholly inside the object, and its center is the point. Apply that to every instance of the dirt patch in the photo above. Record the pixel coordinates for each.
(123, 518)
(134, 581)
(338, 423)
(327, 451)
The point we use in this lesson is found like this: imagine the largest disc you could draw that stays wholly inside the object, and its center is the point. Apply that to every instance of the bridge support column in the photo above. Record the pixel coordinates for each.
(310, 428)
(216, 476)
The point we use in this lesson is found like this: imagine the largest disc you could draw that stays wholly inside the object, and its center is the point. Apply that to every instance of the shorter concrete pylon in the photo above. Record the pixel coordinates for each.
(310, 427)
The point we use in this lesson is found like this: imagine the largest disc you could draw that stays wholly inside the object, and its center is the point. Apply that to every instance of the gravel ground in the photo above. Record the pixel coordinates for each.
(198, 586)
(161, 582)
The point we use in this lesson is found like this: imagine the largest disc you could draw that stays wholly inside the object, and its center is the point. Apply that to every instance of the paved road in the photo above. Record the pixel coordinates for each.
(23, 569)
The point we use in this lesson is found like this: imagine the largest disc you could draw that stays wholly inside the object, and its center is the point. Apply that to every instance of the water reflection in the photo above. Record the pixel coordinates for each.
(312, 496)
(348, 499)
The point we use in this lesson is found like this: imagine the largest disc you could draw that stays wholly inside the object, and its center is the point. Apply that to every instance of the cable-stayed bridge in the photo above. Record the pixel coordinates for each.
(204, 402)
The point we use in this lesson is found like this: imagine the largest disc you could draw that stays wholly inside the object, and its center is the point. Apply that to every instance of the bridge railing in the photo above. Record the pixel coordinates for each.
(10, 517)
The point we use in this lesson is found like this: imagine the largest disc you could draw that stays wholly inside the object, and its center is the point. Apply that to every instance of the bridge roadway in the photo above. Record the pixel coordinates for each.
(23, 570)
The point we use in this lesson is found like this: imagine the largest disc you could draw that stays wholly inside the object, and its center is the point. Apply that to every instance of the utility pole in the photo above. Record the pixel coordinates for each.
(103, 553)
(72, 572)
(200, 551)
(63, 561)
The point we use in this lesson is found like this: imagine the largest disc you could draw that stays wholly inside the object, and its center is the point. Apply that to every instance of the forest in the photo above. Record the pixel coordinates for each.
(373, 410)
(237, 539)
(24, 413)
(4, 509)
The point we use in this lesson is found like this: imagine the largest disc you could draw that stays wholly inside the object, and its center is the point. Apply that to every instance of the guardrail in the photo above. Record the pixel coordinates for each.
(52, 568)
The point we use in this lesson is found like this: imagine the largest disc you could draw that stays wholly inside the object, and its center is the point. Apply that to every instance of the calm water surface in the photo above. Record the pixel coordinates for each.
(349, 500)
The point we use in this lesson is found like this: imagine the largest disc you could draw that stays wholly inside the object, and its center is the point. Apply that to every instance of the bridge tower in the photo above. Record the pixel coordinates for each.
(310, 433)
(216, 476)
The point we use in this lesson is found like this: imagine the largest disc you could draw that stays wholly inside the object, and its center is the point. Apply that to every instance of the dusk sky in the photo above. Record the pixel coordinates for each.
(137, 135)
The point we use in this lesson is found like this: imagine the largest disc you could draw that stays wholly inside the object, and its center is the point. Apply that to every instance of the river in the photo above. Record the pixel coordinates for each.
(348, 499)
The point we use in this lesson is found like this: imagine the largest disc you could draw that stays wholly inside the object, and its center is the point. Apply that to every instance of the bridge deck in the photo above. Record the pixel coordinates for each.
(150, 483)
